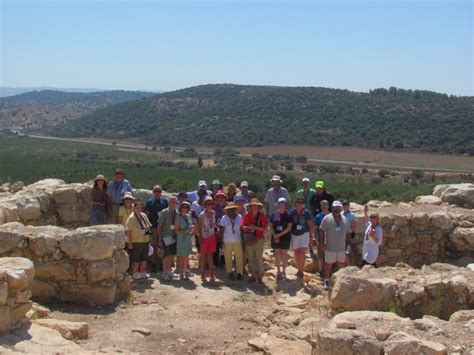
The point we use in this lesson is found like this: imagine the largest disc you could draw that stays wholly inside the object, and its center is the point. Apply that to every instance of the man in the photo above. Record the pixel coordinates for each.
(216, 187)
(244, 192)
(307, 193)
(153, 207)
(335, 233)
(167, 236)
(317, 223)
(274, 193)
(346, 212)
(116, 190)
(194, 196)
(321, 194)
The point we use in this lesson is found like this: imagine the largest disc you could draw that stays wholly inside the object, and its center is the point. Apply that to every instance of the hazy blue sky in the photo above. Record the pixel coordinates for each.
(355, 45)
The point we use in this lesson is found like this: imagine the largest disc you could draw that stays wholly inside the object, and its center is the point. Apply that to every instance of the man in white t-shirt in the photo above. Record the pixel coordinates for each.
(231, 223)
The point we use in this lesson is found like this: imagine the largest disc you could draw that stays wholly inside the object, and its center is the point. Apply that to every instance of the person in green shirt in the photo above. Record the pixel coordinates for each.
(307, 193)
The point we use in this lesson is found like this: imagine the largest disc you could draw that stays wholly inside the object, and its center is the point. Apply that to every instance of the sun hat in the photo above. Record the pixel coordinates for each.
(220, 193)
(185, 204)
(282, 200)
(231, 206)
(128, 196)
(244, 184)
(216, 182)
(119, 171)
(202, 183)
(337, 204)
(319, 184)
(276, 178)
(305, 179)
(255, 202)
(99, 177)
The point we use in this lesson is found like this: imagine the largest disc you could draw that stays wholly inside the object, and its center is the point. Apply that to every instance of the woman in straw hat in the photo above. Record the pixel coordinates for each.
(100, 201)
(126, 209)
(231, 224)
(206, 232)
(184, 233)
(253, 224)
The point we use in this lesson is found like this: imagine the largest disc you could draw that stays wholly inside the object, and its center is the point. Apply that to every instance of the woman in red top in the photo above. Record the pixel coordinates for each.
(254, 223)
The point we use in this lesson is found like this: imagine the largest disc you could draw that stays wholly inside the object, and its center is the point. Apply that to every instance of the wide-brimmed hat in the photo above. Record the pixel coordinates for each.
(216, 182)
(128, 196)
(231, 206)
(99, 177)
(276, 178)
(185, 204)
(119, 171)
(220, 193)
(255, 202)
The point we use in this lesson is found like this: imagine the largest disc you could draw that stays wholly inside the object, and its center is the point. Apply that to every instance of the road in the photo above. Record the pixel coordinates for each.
(312, 160)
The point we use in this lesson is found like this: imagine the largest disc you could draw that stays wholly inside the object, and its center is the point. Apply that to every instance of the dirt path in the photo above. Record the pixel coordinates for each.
(187, 316)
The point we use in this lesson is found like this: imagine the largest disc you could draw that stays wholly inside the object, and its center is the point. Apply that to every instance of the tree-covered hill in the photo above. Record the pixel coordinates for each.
(48, 107)
(238, 115)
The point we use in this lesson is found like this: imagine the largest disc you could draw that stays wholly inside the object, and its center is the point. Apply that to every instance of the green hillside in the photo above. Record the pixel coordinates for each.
(237, 115)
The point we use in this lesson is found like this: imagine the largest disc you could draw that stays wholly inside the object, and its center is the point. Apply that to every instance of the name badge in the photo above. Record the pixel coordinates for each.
(172, 227)
(299, 227)
(338, 229)
(279, 228)
(233, 231)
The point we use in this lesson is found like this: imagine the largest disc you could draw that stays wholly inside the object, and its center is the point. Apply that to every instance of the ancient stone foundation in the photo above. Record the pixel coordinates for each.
(86, 265)
(16, 277)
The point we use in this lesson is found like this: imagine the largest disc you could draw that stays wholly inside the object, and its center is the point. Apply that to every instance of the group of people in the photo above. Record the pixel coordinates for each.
(233, 222)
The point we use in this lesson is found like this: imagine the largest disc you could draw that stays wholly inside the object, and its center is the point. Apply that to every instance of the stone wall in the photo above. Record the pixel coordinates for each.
(85, 265)
(52, 202)
(16, 277)
(421, 235)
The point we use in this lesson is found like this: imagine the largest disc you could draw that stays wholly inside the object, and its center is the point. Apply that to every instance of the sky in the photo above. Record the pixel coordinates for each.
(169, 45)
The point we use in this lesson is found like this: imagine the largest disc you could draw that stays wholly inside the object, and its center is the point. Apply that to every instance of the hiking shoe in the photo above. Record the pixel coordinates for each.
(299, 274)
(231, 276)
(240, 277)
(136, 276)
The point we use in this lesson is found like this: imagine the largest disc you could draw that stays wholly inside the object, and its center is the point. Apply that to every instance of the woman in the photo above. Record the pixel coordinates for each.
(206, 232)
(281, 224)
(231, 224)
(231, 191)
(184, 232)
(138, 231)
(126, 209)
(100, 201)
(253, 225)
(373, 238)
(302, 233)
(220, 199)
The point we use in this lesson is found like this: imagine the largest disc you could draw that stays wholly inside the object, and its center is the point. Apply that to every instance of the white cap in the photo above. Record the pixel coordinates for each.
(337, 204)
(244, 184)
(282, 200)
(305, 179)
(276, 178)
(202, 183)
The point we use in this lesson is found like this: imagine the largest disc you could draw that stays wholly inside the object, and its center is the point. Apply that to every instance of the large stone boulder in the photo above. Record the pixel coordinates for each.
(463, 239)
(428, 200)
(438, 290)
(457, 194)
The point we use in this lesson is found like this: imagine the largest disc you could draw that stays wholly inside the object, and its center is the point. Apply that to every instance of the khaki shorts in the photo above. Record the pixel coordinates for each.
(331, 257)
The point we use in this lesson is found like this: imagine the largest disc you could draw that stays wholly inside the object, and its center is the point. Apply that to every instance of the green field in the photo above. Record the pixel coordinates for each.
(30, 159)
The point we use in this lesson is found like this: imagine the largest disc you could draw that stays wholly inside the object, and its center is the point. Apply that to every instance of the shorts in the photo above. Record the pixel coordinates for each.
(331, 257)
(140, 252)
(169, 250)
(208, 245)
(300, 241)
(283, 243)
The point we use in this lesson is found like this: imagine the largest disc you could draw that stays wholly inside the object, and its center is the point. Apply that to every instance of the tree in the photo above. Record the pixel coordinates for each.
(199, 162)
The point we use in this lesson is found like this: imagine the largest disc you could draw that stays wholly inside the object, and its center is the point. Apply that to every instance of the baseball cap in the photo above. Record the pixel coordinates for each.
(244, 184)
(202, 183)
(337, 204)
(305, 179)
(276, 178)
(282, 200)
(319, 184)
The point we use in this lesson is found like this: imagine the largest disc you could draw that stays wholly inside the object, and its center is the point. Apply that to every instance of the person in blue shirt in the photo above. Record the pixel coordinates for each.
(153, 207)
(116, 189)
(302, 233)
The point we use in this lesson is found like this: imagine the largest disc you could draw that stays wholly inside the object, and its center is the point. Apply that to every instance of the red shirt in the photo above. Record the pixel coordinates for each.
(249, 219)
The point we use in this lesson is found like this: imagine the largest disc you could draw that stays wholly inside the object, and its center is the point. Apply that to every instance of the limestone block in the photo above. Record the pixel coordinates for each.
(428, 200)
(459, 194)
(441, 220)
(8, 212)
(55, 270)
(3, 292)
(10, 235)
(67, 214)
(65, 195)
(463, 239)
(86, 294)
(43, 291)
(420, 221)
(4, 318)
(122, 261)
(101, 270)
(403, 343)
(19, 272)
(45, 240)
(69, 330)
(18, 313)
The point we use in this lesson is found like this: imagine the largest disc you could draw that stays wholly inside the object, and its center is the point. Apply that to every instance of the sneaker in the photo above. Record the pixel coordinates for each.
(182, 276)
(283, 276)
(299, 274)
(144, 275)
(170, 275)
(187, 274)
(231, 276)
(165, 276)
(240, 277)
(136, 276)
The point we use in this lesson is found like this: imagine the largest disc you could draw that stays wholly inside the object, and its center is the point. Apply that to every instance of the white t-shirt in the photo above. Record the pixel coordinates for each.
(370, 249)
(231, 228)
